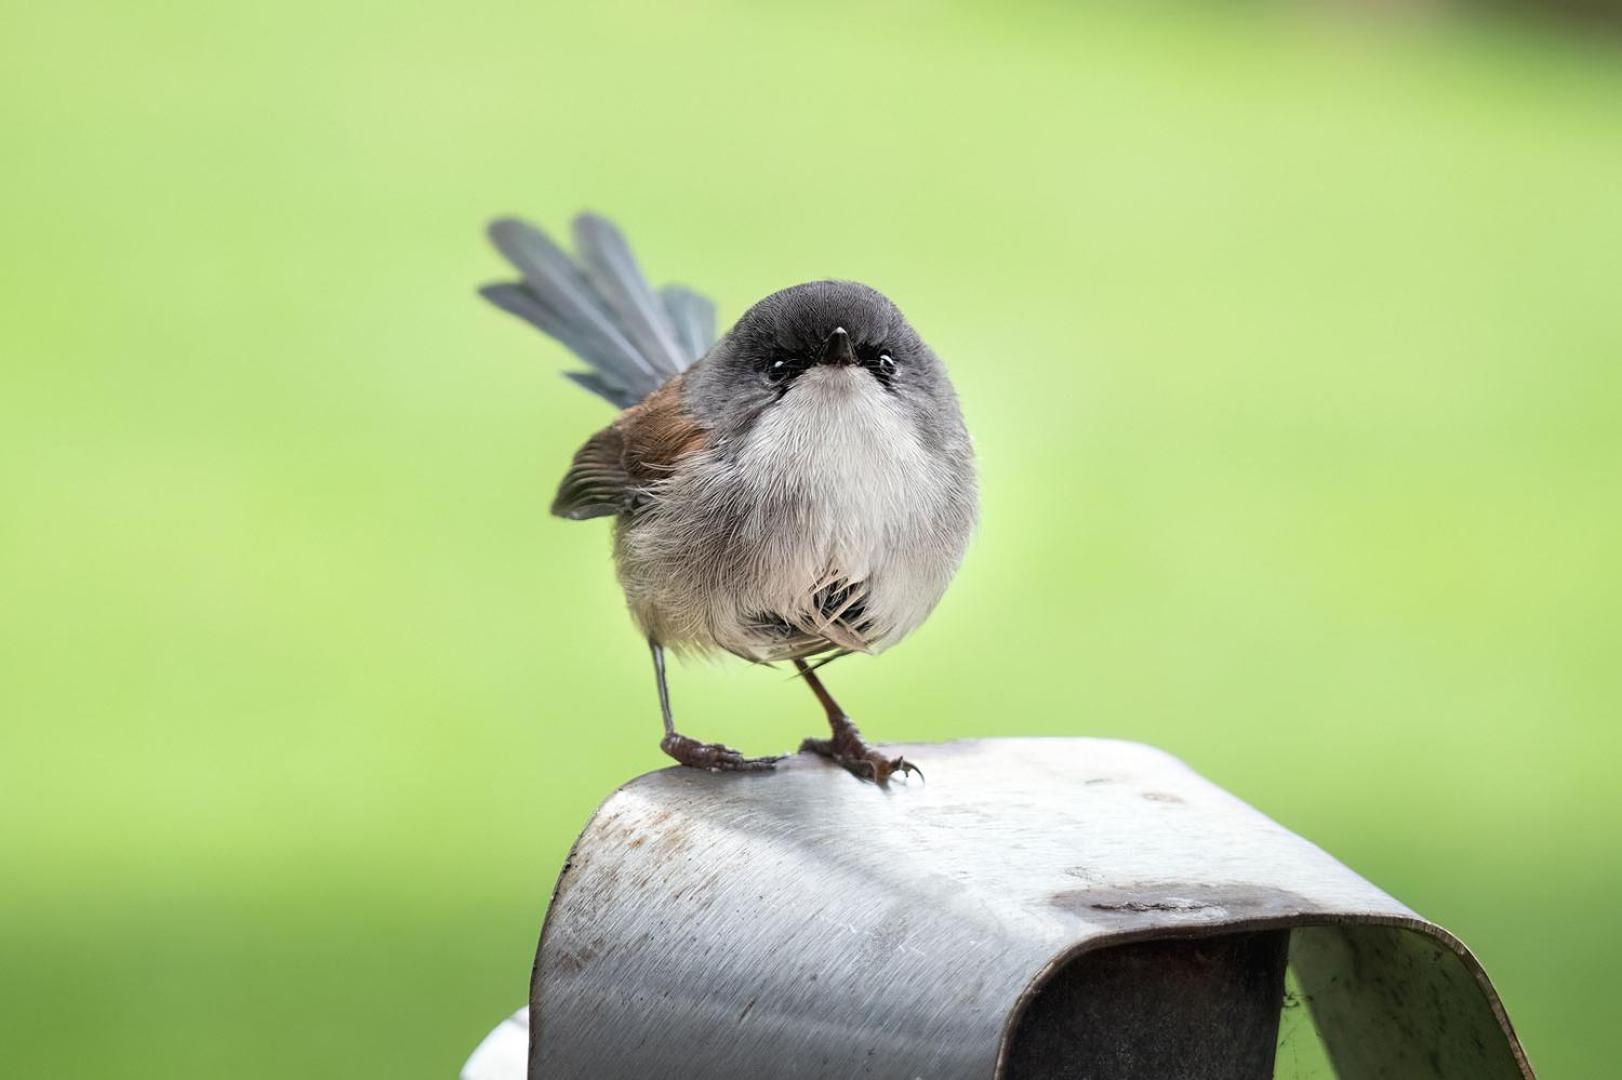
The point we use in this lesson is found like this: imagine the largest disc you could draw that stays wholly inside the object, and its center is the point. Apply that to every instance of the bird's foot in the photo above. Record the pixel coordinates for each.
(712, 756)
(847, 749)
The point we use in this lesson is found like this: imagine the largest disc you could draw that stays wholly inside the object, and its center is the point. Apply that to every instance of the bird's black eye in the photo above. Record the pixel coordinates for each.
(880, 364)
(782, 369)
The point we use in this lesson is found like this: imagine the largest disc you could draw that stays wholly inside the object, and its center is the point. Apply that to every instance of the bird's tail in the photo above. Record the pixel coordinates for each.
(601, 306)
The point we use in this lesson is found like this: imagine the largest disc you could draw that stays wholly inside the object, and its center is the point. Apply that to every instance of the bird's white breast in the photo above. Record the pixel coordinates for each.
(832, 486)
(838, 473)
(845, 451)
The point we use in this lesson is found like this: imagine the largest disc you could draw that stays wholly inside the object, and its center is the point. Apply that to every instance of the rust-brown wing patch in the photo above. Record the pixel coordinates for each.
(626, 458)
(658, 433)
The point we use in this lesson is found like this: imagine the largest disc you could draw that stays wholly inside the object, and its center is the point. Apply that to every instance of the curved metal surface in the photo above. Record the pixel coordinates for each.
(804, 924)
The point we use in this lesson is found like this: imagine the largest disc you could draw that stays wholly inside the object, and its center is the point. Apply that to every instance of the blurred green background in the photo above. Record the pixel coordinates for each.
(1290, 339)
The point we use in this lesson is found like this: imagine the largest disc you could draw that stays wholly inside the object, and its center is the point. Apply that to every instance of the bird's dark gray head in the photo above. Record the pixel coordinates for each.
(782, 344)
(825, 322)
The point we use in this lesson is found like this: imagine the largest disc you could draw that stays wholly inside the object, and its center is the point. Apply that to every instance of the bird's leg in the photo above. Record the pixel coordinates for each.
(711, 756)
(846, 747)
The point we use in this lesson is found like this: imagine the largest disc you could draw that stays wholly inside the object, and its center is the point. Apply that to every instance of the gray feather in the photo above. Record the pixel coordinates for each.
(693, 317)
(617, 395)
(612, 268)
(603, 311)
(518, 300)
(553, 279)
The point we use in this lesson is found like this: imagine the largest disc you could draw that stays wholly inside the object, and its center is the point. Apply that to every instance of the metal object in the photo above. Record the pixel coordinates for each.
(806, 924)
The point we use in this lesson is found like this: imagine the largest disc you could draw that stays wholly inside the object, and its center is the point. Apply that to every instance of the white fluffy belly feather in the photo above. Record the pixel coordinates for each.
(831, 525)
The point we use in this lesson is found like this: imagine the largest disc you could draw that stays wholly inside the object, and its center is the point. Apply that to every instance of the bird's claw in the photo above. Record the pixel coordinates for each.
(879, 769)
(907, 768)
(713, 757)
(846, 748)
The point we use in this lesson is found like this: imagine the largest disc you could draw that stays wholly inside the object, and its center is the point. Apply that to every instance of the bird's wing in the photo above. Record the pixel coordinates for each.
(620, 464)
(600, 305)
(596, 484)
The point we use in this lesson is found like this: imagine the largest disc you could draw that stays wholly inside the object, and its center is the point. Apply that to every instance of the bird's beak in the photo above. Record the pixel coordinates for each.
(837, 349)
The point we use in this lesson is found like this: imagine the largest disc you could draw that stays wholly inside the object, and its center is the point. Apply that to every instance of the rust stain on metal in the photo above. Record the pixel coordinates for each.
(1232, 900)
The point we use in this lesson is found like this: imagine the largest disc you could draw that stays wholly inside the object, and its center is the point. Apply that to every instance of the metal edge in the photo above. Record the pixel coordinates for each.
(551, 905)
(1279, 922)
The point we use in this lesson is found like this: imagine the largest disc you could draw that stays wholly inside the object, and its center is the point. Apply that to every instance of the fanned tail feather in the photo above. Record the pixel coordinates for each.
(601, 307)
(692, 315)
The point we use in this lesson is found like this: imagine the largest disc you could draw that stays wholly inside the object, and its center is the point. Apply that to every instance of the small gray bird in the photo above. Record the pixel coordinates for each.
(804, 487)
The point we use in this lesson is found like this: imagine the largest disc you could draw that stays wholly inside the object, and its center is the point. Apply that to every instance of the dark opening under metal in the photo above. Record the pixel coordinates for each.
(1192, 1009)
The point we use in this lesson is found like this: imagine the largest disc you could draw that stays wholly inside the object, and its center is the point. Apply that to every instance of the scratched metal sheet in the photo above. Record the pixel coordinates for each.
(805, 924)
